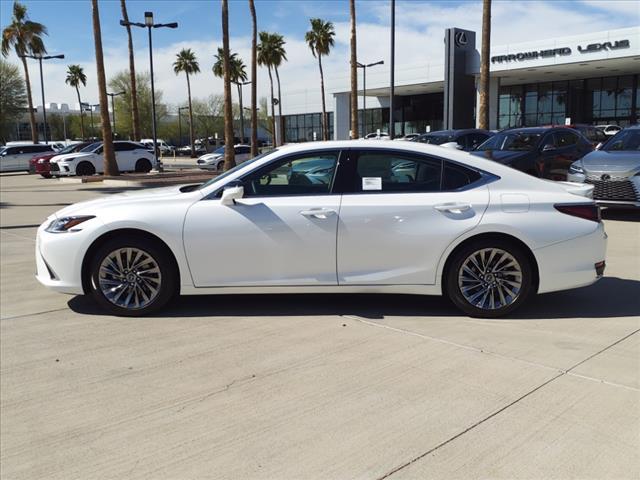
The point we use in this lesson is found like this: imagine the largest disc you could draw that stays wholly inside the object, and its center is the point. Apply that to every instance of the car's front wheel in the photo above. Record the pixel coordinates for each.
(143, 166)
(489, 278)
(133, 276)
(85, 169)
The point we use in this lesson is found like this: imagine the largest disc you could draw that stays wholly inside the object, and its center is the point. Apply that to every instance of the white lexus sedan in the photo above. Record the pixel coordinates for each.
(368, 216)
(130, 157)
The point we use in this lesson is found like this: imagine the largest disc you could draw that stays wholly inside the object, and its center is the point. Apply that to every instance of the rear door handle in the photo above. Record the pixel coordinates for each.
(453, 207)
(322, 213)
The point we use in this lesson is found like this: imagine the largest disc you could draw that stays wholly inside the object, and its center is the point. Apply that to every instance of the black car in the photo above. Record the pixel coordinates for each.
(544, 152)
(467, 140)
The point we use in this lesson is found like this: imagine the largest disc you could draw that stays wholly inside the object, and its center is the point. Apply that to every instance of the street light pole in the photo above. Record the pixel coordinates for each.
(364, 92)
(148, 24)
(113, 109)
(240, 85)
(44, 109)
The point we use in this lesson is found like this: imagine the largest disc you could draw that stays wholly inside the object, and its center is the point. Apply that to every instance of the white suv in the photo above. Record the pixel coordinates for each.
(130, 157)
(163, 147)
(15, 158)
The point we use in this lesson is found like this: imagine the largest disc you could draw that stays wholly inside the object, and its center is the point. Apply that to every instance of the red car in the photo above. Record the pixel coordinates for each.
(40, 163)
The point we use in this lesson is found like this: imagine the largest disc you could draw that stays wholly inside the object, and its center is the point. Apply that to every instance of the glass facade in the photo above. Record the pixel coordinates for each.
(604, 100)
(300, 128)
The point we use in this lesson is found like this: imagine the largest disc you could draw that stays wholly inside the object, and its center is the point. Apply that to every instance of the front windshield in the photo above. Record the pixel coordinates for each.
(91, 147)
(436, 139)
(69, 149)
(512, 142)
(219, 150)
(625, 140)
(235, 169)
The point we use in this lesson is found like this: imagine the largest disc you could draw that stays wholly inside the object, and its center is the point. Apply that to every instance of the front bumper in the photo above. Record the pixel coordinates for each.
(61, 169)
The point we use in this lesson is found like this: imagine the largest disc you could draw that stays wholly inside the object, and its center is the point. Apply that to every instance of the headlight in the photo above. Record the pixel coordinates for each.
(576, 168)
(41, 160)
(69, 159)
(66, 224)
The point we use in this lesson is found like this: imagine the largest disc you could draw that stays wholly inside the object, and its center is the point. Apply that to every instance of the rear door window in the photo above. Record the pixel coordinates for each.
(389, 172)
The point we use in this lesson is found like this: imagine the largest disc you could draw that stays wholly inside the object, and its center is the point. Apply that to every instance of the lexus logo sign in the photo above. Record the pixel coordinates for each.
(461, 39)
(606, 177)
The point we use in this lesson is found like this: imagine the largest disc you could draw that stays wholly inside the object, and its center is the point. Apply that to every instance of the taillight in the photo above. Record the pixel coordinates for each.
(587, 211)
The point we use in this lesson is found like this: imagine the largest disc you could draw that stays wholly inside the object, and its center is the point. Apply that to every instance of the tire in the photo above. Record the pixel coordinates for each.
(143, 166)
(45, 175)
(497, 290)
(220, 167)
(138, 291)
(85, 169)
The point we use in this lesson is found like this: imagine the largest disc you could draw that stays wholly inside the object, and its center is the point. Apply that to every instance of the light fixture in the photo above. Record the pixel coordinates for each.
(148, 19)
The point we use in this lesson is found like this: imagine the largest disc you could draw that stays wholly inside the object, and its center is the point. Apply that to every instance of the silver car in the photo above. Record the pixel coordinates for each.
(614, 170)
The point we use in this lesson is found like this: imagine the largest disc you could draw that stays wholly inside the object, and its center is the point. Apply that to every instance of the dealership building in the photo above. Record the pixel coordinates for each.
(592, 78)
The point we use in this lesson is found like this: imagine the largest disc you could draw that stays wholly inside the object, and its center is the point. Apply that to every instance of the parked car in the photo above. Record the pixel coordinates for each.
(40, 163)
(186, 150)
(448, 224)
(163, 147)
(215, 159)
(15, 157)
(609, 130)
(466, 139)
(377, 136)
(408, 137)
(130, 157)
(614, 170)
(544, 152)
(593, 134)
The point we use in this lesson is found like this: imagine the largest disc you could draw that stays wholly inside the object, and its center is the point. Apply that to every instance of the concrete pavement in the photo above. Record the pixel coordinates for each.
(304, 386)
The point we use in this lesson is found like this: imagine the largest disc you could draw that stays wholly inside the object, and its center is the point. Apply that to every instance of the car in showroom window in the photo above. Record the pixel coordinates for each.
(369, 216)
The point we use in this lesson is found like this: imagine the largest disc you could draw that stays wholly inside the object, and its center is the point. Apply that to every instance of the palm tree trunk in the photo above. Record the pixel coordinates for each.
(325, 131)
(32, 116)
(191, 132)
(354, 72)
(254, 81)
(483, 103)
(229, 154)
(135, 115)
(280, 129)
(273, 110)
(110, 165)
(81, 114)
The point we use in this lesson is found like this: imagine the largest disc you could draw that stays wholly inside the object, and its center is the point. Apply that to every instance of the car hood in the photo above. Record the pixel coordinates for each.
(503, 156)
(66, 156)
(617, 161)
(210, 156)
(149, 195)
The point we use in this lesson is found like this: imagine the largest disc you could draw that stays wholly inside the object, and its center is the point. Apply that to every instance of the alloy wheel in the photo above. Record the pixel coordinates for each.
(490, 278)
(129, 278)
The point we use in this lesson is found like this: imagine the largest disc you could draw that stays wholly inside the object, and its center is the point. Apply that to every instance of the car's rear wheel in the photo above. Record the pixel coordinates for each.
(45, 175)
(143, 166)
(220, 166)
(489, 278)
(133, 276)
(85, 169)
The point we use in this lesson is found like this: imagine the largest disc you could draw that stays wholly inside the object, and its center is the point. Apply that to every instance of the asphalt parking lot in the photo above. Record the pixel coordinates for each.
(306, 387)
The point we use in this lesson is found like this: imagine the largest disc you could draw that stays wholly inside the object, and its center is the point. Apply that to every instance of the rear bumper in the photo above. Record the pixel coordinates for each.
(573, 263)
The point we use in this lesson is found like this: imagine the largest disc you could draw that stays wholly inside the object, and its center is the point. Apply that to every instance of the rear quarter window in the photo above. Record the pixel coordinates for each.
(456, 176)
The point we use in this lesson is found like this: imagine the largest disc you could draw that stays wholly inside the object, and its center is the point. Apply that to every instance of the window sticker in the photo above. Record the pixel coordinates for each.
(371, 183)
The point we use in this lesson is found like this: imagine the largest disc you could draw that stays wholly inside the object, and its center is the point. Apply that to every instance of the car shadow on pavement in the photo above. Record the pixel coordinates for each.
(610, 297)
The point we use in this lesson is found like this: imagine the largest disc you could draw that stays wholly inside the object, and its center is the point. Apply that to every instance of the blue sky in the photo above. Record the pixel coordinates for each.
(420, 27)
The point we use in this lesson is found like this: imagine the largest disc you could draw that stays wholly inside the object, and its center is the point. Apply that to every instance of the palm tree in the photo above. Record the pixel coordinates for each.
(135, 115)
(229, 153)
(483, 103)
(354, 72)
(264, 59)
(320, 41)
(254, 80)
(186, 62)
(75, 78)
(237, 74)
(278, 55)
(110, 165)
(25, 37)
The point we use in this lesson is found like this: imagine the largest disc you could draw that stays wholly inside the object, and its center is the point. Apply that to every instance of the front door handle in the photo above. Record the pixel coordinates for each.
(453, 207)
(322, 213)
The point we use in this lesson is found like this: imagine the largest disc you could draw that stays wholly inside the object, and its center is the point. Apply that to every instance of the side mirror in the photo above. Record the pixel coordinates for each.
(232, 193)
(548, 148)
